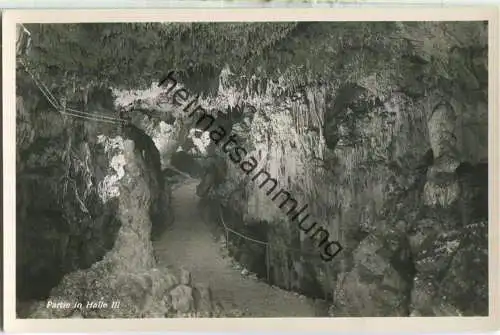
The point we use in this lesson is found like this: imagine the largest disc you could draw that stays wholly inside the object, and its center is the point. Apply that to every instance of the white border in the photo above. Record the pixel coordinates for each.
(365, 324)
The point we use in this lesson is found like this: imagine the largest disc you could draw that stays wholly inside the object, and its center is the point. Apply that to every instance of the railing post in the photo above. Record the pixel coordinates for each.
(267, 263)
(327, 284)
(288, 256)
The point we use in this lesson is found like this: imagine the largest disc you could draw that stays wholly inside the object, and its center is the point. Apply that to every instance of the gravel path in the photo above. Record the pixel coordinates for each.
(189, 243)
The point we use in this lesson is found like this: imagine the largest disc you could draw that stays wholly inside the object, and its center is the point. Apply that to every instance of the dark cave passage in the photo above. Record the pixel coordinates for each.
(191, 243)
(33, 283)
(369, 130)
(249, 254)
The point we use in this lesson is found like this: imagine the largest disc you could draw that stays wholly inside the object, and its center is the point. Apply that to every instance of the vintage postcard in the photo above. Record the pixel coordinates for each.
(257, 169)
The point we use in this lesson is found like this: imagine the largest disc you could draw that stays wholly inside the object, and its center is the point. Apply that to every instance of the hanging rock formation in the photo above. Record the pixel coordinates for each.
(389, 152)
(398, 176)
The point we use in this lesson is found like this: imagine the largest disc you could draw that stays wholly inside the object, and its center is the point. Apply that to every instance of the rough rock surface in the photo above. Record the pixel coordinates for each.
(127, 273)
(390, 154)
(398, 176)
(60, 209)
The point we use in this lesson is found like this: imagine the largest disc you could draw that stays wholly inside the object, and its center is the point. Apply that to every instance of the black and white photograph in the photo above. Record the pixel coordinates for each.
(260, 169)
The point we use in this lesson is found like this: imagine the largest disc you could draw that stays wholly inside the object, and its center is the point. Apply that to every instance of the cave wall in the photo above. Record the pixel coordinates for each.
(68, 190)
(396, 171)
(128, 274)
(88, 244)
(62, 222)
(390, 170)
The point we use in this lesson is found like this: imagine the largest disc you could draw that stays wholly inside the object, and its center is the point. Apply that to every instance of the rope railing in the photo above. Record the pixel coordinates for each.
(239, 234)
(66, 110)
(268, 247)
(258, 241)
(179, 172)
(88, 117)
(96, 115)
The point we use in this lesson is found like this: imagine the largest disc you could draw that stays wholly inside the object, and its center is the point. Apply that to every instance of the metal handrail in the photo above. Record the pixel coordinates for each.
(268, 247)
(257, 241)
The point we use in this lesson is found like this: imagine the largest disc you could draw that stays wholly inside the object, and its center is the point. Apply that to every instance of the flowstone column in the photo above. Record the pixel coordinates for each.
(441, 188)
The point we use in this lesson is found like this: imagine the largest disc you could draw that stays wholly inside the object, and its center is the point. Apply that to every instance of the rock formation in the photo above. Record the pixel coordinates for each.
(379, 164)
(383, 134)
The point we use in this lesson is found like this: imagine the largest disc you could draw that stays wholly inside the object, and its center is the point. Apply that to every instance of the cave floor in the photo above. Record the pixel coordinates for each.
(189, 243)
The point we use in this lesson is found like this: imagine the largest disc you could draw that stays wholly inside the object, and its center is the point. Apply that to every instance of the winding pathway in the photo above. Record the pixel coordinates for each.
(190, 244)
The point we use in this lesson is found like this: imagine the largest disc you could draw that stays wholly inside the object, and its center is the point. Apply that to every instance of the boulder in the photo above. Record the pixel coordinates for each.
(182, 299)
(185, 277)
(202, 295)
